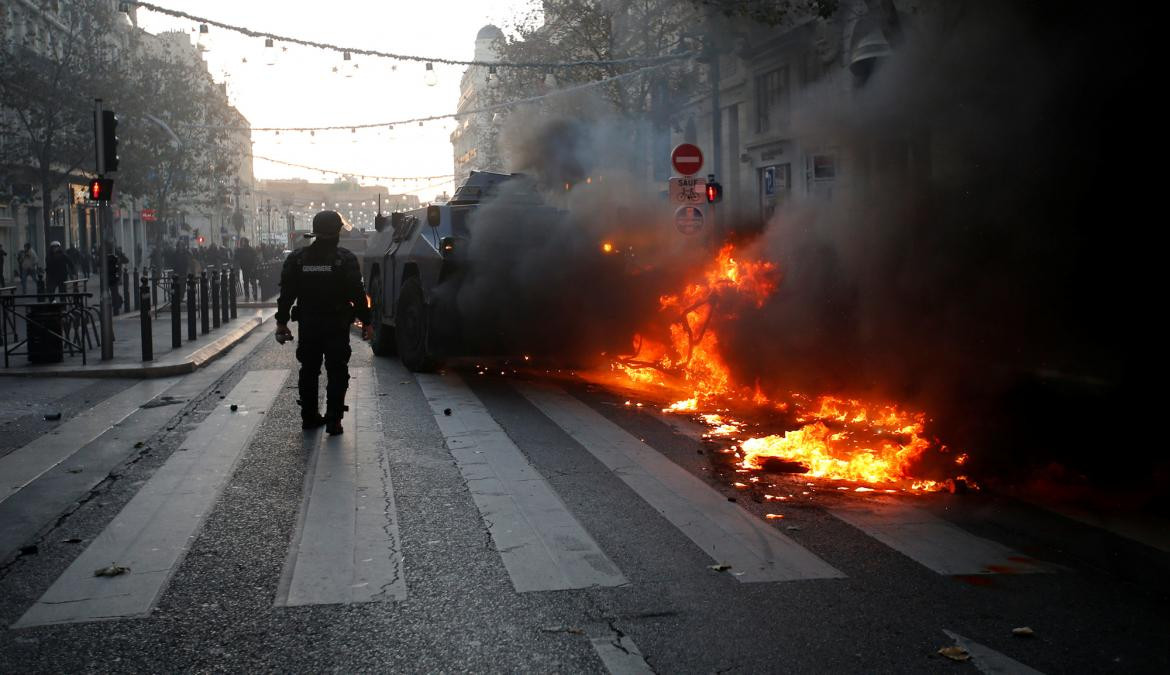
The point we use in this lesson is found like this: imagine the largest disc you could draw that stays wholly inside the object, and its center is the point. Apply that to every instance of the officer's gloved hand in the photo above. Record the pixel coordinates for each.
(283, 334)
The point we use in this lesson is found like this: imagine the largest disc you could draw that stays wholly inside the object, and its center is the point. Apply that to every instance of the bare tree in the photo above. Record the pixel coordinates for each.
(177, 149)
(48, 82)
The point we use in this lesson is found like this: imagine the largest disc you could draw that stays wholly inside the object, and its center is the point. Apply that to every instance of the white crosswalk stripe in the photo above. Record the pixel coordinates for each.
(543, 546)
(989, 661)
(933, 542)
(727, 533)
(152, 533)
(24, 465)
(347, 546)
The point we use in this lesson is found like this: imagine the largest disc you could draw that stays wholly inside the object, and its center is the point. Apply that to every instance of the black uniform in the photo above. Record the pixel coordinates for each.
(326, 283)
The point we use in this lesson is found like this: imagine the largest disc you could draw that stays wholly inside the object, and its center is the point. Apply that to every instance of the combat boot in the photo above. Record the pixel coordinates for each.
(333, 420)
(310, 418)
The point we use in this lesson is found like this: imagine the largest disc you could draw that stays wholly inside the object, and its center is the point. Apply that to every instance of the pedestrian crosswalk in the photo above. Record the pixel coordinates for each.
(542, 545)
(347, 545)
(146, 541)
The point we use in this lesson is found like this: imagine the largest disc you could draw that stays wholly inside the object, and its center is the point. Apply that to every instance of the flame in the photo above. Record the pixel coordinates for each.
(836, 438)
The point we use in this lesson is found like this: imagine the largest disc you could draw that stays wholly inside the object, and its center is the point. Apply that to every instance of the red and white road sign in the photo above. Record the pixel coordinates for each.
(688, 219)
(687, 159)
(149, 215)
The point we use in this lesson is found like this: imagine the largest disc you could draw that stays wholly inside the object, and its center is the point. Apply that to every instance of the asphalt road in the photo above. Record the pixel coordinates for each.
(540, 526)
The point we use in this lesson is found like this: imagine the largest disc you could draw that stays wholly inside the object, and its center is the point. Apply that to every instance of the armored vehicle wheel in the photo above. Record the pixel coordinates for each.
(382, 343)
(412, 329)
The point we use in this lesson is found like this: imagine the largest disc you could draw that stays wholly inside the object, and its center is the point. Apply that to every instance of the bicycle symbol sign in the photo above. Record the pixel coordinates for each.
(688, 190)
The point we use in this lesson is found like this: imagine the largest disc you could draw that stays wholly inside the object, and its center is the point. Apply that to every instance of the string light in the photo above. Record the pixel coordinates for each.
(432, 118)
(633, 60)
(406, 179)
(429, 76)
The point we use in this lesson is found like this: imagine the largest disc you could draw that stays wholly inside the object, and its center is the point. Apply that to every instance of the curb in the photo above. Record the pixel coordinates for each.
(193, 362)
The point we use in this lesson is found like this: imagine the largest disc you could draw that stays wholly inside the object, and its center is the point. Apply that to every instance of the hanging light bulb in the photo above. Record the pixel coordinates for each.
(491, 76)
(550, 79)
(204, 41)
(269, 52)
(127, 9)
(429, 76)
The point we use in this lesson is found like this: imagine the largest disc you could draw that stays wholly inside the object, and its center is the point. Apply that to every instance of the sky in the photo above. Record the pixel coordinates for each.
(301, 89)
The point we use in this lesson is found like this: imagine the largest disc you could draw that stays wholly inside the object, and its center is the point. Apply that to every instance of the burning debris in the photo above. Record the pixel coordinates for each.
(827, 437)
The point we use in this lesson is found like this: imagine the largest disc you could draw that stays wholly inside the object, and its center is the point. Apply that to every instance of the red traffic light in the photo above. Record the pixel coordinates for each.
(714, 192)
(101, 189)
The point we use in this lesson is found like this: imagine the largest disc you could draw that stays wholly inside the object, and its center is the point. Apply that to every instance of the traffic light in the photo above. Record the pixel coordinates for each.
(714, 192)
(109, 147)
(101, 189)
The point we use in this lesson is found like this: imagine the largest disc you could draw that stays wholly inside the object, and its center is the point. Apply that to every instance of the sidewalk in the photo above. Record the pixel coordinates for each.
(127, 361)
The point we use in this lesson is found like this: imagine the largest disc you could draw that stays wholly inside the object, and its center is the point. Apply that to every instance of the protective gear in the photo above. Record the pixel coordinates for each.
(329, 224)
(312, 421)
(325, 281)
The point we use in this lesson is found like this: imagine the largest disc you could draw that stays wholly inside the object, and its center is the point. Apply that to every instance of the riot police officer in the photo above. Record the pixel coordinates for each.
(325, 281)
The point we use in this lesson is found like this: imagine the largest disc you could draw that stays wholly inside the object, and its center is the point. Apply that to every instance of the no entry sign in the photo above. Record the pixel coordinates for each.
(687, 159)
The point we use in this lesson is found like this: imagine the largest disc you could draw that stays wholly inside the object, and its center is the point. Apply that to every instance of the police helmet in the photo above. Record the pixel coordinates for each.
(329, 224)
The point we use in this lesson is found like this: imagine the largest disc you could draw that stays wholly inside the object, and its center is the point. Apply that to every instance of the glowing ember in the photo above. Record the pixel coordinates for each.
(837, 438)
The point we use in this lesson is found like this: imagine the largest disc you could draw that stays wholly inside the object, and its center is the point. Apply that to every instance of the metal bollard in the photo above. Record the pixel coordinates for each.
(155, 276)
(235, 290)
(214, 298)
(224, 291)
(137, 306)
(190, 307)
(127, 290)
(144, 321)
(176, 309)
(203, 298)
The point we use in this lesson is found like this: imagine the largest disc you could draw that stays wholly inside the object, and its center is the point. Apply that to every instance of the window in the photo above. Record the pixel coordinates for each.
(772, 99)
(824, 167)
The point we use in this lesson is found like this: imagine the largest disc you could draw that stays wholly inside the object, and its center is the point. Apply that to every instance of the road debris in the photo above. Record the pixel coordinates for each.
(1023, 631)
(721, 567)
(112, 571)
(955, 653)
(234, 407)
(52, 417)
(447, 412)
(562, 629)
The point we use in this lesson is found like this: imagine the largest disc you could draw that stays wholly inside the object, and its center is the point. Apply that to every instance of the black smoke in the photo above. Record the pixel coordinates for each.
(989, 255)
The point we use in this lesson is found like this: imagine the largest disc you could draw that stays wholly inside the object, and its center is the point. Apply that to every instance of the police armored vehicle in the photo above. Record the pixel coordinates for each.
(413, 263)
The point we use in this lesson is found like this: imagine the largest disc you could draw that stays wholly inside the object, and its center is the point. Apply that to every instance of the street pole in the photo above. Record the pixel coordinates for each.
(716, 113)
(106, 303)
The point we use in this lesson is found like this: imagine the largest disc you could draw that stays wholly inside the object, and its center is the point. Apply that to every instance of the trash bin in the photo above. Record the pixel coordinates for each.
(44, 332)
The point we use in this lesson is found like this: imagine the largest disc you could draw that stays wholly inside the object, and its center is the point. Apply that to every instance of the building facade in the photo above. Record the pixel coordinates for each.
(286, 206)
(475, 140)
(779, 90)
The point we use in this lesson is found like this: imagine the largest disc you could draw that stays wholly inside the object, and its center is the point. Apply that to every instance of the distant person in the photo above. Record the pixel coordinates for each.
(114, 268)
(248, 260)
(3, 255)
(78, 260)
(58, 268)
(27, 263)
